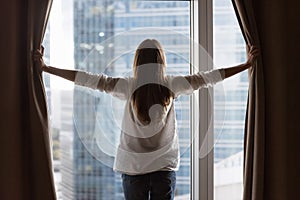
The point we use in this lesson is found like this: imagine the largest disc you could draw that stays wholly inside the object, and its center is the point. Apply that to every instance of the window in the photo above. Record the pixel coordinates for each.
(229, 50)
(101, 36)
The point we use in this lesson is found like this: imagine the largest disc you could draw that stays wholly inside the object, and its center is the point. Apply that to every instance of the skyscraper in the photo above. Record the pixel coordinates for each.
(96, 23)
(93, 23)
(229, 49)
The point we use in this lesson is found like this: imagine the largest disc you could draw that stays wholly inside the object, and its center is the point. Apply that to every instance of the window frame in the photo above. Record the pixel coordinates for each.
(202, 174)
(202, 186)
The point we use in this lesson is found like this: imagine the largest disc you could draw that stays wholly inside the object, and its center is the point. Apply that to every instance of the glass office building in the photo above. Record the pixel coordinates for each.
(229, 50)
(99, 48)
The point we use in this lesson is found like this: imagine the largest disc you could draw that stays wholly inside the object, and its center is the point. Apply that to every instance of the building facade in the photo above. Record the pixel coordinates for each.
(96, 46)
(229, 49)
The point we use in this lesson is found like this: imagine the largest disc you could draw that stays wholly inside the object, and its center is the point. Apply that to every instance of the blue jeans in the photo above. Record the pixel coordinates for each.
(158, 185)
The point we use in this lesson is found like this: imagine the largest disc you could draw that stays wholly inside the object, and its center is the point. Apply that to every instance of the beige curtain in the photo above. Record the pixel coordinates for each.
(254, 153)
(26, 169)
(272, 155)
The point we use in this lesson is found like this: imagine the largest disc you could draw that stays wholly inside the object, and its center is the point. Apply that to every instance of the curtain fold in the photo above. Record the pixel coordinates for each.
(25, 150)
(254, 141)
(39, 153)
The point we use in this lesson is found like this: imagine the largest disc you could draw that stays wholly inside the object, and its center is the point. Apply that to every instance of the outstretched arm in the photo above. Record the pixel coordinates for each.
(63, 73)
(118, 87)
(187, 84)
(252, 55)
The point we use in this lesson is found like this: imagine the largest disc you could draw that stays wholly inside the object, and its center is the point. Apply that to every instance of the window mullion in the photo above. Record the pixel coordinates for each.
(202, 168)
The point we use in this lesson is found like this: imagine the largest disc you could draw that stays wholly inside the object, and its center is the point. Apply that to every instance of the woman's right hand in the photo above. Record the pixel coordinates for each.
(38, 59)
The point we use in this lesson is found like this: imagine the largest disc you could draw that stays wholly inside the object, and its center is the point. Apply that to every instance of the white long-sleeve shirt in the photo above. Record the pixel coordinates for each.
(152, 147)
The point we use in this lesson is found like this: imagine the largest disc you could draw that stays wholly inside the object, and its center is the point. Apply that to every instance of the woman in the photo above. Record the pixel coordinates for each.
(148, 153)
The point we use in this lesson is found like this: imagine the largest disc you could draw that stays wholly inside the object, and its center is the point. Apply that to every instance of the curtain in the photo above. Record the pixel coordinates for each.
(40, 148)
(26, 170)
(254, 141)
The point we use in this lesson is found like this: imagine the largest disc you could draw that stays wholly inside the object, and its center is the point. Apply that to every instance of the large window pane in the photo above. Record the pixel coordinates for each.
(100, 36)
(229, 50)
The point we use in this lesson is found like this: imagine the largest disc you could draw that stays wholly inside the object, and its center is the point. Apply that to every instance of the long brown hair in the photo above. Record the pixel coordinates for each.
(149, 54)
